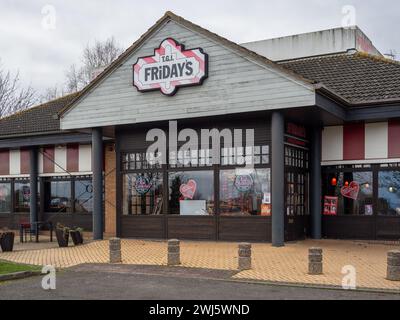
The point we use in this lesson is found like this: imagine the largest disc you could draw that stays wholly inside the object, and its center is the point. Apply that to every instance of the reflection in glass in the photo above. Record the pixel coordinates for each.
(142, 194)
(22, 196)
(359, 200)
(245, 192)
(191, 193)
(389, 193)
(58, 196)
(5, 197)
(83, 196)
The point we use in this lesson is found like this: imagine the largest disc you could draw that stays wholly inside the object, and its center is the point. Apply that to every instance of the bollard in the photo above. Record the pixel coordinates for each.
(315, 260)
(393, 265)
(174, 253)
(244, 256)
(115, 250)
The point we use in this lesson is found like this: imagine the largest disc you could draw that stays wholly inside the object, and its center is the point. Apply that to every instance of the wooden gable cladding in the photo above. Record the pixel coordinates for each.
(236, 84)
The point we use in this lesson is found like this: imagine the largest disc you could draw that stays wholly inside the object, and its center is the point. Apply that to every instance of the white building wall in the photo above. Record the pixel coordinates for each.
(332, 143)
(85, 158)
(376, 140)
(60, 159)
(15, 162)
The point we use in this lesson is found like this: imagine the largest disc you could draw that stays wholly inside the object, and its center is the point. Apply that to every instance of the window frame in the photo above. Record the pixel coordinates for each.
(14, 198)
(73, 180)
(384, 169)
(138, 173)
(76, 180)
(166, 169)
(9, 181)
(374, 169)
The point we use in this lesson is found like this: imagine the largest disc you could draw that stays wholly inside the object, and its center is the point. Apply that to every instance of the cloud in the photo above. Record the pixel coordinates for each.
(42, 56)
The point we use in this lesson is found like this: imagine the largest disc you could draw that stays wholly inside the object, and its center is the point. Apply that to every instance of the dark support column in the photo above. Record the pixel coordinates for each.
(315, 184)
(278, 179)
(33, 176)
(97, 168)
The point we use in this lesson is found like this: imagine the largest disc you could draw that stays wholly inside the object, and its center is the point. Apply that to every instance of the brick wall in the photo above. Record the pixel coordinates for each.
(110, 191)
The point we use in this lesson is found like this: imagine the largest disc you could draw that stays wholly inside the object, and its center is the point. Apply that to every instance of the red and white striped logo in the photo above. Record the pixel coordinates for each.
(171, 67)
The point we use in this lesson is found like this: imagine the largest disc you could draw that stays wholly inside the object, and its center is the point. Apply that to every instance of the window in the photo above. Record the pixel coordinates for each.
(22, 196)
(191, 193)
(5, 197)
(142, 193)
(296, 157)
(354, 191)
(140, 161)
(258, 155)
(389, 193)
(245, 192)
(296, 194)
(83, 196)
(58, 196)
(191, 158)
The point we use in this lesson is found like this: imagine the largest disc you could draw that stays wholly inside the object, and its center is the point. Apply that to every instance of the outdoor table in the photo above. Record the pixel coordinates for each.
(37, 226)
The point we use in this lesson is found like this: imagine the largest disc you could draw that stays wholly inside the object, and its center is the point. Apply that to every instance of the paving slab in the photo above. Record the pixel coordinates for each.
(282, 265)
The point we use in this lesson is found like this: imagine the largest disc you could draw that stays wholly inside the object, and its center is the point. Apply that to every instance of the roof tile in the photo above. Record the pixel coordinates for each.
(359, 78)
(38, 119)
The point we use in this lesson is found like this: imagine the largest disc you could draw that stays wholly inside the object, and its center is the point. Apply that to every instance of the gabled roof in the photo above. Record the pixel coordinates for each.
(36, 120)
(169, 16)
(359, 78)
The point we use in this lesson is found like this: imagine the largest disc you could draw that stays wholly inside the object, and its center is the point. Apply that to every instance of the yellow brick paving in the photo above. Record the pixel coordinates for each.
(287, 265)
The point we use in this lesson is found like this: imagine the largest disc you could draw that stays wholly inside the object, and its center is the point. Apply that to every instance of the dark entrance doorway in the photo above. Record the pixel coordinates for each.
(297, 214)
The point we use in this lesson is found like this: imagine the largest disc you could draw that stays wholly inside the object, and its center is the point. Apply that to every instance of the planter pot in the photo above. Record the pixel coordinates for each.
(62, 238)
(7, 241)
(76, 237)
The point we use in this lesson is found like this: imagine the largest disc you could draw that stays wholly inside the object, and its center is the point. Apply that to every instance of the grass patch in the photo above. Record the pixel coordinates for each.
(9, 267)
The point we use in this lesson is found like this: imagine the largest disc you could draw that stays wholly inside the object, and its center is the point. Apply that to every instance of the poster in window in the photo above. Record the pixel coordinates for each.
(189, 189)
(26, 193)
(244, 183)
(267, 198)
(142, 185)
(369, 210)
(331, 206)
(266, 210)
(351, 191)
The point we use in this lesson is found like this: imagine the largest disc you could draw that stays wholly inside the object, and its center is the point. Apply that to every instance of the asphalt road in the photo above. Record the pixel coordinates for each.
(153, 283)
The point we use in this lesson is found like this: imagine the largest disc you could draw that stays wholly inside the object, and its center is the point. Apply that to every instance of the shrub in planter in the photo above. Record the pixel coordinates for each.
(62, 234)
(77, 236)
(7, 241)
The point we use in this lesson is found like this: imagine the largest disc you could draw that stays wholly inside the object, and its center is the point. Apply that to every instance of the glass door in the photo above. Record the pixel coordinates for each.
(296, 193)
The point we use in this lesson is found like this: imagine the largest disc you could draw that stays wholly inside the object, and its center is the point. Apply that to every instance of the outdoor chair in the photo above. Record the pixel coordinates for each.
(25, 230)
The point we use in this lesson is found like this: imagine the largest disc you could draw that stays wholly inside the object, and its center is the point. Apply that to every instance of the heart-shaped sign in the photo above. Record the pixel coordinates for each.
(351, 191)
(188, 190)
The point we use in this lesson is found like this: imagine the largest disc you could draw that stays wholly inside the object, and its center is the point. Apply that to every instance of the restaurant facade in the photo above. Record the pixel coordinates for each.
(188, 135)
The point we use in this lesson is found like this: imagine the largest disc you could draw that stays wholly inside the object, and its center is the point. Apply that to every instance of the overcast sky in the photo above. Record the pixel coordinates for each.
(29, 42)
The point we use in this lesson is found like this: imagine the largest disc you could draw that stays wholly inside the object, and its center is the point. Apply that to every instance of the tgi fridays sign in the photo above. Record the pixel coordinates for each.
(170, 68)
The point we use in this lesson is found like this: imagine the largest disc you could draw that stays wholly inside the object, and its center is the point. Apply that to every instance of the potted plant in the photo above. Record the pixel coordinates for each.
(77, 236)
(7, 241)
(62, 234)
